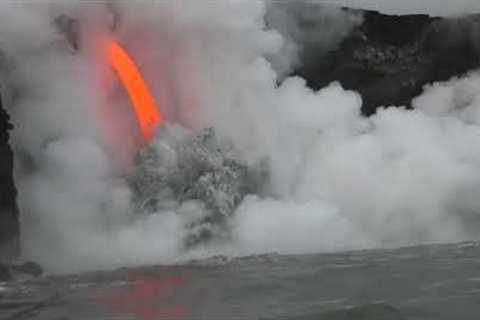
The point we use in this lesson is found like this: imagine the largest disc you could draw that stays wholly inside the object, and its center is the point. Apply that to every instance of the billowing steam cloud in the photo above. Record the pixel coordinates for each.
(309, 29)
(334, 179)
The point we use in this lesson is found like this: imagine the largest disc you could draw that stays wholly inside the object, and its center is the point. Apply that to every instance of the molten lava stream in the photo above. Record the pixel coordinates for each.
(147, 112)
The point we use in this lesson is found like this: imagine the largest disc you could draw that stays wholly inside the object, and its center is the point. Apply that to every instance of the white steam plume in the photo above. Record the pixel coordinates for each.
(310, 29)
(336, 179)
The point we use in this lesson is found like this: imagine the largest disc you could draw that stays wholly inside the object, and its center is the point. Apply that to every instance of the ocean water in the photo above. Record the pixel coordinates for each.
(423, 282)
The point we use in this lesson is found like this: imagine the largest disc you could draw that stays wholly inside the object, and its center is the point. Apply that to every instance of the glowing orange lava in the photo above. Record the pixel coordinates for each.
(148, 114)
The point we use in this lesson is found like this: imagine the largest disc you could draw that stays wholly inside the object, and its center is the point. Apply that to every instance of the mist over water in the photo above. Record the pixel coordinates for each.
(334, 180)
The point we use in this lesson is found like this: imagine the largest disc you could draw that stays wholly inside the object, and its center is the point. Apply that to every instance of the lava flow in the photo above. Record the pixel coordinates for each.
(146, 110)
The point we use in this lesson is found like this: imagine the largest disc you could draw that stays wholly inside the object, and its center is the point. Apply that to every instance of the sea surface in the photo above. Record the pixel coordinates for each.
(424, 282)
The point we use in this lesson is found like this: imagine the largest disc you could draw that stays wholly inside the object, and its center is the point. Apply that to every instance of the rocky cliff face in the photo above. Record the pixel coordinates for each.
(9, 226)
(388, 59)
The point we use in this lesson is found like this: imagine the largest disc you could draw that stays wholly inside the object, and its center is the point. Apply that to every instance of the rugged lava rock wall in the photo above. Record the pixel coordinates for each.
(388, 59)
(9, 226)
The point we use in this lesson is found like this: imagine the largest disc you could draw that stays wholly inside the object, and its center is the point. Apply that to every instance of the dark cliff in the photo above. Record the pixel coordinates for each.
(9, 226)
(388, 59)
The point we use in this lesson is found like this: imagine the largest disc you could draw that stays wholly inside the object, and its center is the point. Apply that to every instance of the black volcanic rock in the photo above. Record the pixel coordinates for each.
(29, 268)
(5, 273)
(19, 271)
(388, 59)
(9, 223)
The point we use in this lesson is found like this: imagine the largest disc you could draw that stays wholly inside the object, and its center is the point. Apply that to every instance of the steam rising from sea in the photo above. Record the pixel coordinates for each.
(334, 180)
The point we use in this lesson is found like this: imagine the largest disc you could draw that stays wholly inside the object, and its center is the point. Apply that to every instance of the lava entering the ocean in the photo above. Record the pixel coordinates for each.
(146, 110)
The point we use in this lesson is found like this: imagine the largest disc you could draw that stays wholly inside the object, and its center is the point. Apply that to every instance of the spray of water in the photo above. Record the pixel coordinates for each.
(327, 178)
